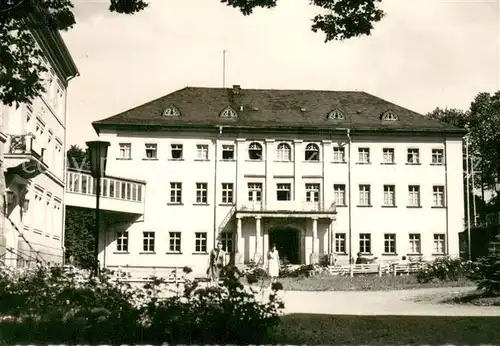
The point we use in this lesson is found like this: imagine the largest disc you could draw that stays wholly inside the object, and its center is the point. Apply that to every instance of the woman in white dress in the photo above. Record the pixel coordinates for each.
(273, 260)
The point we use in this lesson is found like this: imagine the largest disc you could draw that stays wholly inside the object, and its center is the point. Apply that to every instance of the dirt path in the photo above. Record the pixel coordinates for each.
(382, 303)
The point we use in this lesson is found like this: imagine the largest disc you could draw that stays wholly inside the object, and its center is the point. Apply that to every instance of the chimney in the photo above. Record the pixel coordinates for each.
(236, 89)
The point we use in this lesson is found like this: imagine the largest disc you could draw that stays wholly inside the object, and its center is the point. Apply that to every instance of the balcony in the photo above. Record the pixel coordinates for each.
(117, 194)
(25, 156)
(287, 209)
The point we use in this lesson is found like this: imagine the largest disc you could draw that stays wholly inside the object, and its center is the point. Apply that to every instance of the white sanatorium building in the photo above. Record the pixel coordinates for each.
(32, 148)
(315, 172)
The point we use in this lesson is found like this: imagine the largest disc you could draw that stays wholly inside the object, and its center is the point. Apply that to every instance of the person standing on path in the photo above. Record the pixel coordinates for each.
(273, 260)
(217, 261)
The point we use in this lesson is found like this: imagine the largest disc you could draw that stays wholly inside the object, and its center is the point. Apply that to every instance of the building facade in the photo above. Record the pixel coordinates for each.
(34, 147)
(318, 173)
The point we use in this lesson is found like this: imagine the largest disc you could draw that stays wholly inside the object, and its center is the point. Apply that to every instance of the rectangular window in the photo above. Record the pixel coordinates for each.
(388, 155)
(254, 192)
(414, 243)
(437, 156)
(122, 241)
(228, 152)
(365, 243)
(364, 195)
(200, 242)
(340, 243)
(389, 195)
(283, 192)
(125, 150)
(174, 241)
(176, 151)
(176, 193)
(364, 155)
(148, 241)
(338, 154)
(439, 244)
(201, 193)
(202, 152)
(389, 243)
(227, 193)
(414, 196)
(312, 192)
(339, 192)
(438, 196)
(151, 151)
(413, 156)
(227, 241)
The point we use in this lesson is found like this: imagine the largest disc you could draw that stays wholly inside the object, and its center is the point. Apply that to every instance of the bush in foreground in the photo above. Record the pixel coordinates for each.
(51, 305)
(444, 269)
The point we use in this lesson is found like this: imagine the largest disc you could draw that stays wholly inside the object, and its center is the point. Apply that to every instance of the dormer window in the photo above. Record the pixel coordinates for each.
(389, 115)
(171, 111)
(336, 114)
(228, 112)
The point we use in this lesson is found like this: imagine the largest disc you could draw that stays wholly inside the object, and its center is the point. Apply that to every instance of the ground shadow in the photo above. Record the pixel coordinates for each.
(320, 329)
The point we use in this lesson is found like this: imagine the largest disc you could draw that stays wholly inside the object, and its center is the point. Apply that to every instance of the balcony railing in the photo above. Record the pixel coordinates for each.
(117, 188)
(289, 206)
(25, 144)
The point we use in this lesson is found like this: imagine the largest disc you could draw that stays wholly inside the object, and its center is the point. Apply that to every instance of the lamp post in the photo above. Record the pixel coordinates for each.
(98, 155)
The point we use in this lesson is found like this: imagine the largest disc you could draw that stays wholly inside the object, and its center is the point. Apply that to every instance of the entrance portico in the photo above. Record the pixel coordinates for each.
(303, 233)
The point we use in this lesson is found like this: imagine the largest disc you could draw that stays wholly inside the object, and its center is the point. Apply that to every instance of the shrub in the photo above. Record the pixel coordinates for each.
(51, 304)
(225, 314)
(304, 270)
(486, 270)
(443, 269)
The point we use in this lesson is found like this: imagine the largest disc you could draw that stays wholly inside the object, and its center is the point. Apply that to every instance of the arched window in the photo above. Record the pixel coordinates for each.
(336, 114)
(312, 152)
(283, 152)
(389, 115)
(171, 111)
(255, 151)
(228, 112)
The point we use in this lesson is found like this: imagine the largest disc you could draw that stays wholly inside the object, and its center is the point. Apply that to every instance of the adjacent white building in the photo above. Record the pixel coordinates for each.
(314, 172)
(33, 149)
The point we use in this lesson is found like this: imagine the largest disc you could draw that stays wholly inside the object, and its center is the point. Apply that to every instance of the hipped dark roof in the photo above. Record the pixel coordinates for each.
(278, 109)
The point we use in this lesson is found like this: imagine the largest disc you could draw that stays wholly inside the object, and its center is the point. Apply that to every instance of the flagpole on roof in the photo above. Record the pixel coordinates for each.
(224, 68)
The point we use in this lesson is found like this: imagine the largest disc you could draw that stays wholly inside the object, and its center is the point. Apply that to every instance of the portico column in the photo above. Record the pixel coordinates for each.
(238, 257)
(315, 244)
(258, 239)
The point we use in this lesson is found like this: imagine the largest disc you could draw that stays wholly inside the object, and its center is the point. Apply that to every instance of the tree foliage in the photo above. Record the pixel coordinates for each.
(484, 126)
(487, 269)
(22, 70)
(79, 222)
(79, 236)
(78, 158)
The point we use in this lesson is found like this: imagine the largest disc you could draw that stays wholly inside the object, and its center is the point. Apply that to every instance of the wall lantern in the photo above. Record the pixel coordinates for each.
(10, 197)
(26, 204)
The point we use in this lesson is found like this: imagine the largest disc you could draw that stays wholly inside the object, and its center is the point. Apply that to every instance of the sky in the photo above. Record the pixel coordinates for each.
(424, 54)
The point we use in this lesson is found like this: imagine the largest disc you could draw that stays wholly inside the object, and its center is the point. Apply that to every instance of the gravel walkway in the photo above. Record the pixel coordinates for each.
(382, 303)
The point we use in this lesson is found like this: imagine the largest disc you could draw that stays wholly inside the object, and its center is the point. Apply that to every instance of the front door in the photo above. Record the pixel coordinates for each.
(287, 241)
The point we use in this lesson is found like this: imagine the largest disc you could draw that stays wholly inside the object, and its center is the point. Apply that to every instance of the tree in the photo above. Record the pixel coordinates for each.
(485, 135)
(79, 238)
(22, 69)
(452, 116)
(78, 158)
(487, 270)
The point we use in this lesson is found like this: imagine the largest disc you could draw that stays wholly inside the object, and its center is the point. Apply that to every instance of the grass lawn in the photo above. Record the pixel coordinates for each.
(362, 283)
(315, 329)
